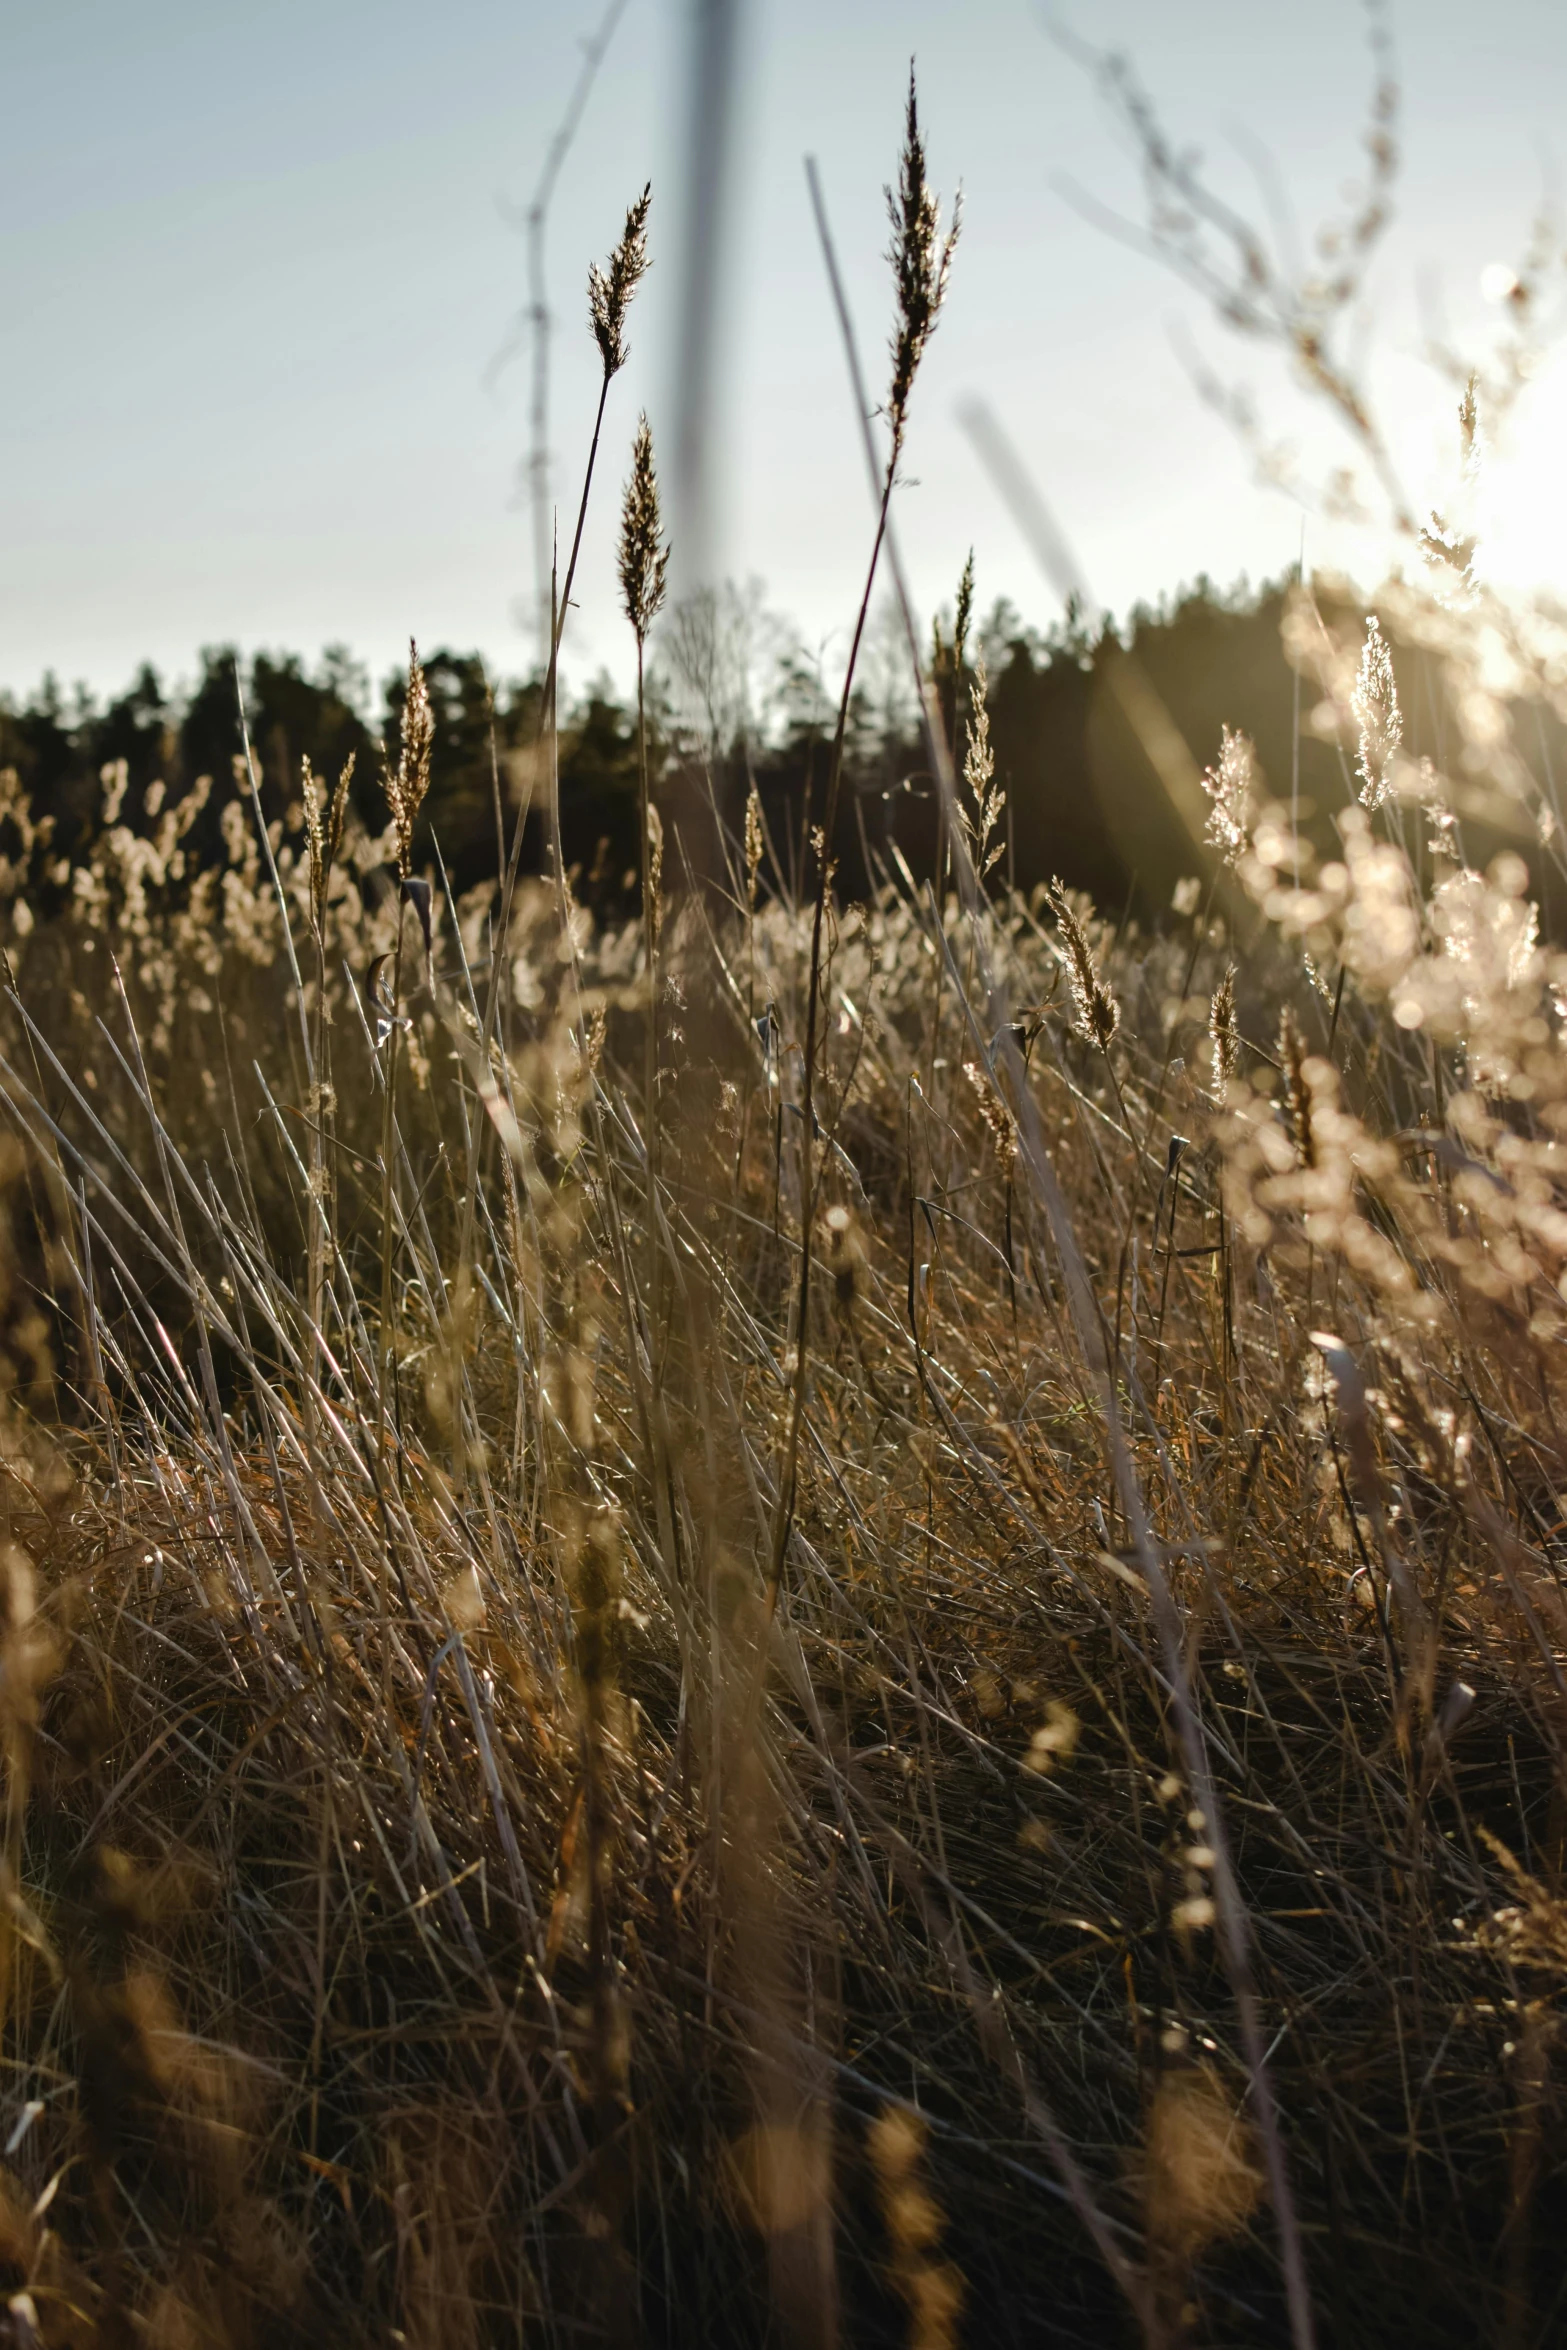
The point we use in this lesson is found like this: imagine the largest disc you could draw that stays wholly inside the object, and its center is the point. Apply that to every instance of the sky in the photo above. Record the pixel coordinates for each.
(262, 273)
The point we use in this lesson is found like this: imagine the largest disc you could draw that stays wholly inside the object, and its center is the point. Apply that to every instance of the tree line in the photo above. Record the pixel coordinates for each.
(736, 703)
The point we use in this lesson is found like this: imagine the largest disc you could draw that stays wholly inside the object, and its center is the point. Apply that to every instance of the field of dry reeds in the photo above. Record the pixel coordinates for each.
(810, 1622)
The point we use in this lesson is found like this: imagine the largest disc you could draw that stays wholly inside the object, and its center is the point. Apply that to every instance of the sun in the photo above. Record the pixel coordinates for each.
(1521, 490)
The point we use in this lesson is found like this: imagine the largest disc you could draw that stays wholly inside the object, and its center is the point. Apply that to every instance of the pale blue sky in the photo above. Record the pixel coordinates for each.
(256, 265)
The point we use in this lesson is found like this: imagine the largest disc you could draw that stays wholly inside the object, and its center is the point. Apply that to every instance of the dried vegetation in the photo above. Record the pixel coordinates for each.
(568, 1778)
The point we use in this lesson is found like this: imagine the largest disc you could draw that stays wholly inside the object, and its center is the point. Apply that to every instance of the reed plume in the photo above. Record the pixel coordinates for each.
(610, 289)
(962, 616)
(1096, 1015)
(644, 553)
(921, 259)
(325, 821)
(1231, 786)
(979, 773)
(409, 781)
(1378, 718)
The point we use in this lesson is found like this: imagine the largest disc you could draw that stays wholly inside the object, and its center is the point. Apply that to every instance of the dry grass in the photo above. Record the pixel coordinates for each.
(568, 1781)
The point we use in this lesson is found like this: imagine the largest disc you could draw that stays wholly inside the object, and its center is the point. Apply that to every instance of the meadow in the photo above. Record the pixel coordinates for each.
(794, 1615)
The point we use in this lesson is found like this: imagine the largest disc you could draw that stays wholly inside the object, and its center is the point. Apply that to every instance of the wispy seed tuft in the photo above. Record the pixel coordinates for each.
(1231, 786)
(644, 553)
(407, 785)
(964, 615)
(610, 290)
(1377, 714)
(921, 263)
(979, 773)
(1095, 1013)
(324, 824)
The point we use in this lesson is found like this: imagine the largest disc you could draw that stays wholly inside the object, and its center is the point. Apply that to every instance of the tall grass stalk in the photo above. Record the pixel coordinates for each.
(921, 259)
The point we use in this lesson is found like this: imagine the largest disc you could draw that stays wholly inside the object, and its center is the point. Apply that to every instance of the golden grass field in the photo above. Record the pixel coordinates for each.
(807, 1622)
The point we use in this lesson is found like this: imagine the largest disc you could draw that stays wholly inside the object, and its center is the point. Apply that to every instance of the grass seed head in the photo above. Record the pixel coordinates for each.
(979, 773)
(1231, 787)
(1203, 2177)
(324, 824)
(921, 264)
(964, 615)
(993, 1110)
(409, 781)
(932, 2289)
(1297, 1091)
(753, 845)
(1095, 1013)
(644, 553)
(1377, 715)
(610, 290)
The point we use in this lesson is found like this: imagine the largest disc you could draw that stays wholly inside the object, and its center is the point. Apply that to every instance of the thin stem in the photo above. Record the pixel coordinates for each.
(650, 1035)
(539, 321)
(388, 1146)
(547, 725)
(786, 1489)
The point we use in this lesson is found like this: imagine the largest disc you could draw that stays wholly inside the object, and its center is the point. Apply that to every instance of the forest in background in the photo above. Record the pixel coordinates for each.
(736, 698)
